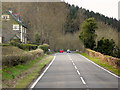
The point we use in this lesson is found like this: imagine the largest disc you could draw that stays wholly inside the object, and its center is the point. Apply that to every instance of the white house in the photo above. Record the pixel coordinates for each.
(17, 28)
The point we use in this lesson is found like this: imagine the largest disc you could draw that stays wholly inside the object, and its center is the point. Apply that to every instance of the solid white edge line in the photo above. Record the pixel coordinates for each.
(83, 80)
(78, 72)
(101, 67)
(43, 73)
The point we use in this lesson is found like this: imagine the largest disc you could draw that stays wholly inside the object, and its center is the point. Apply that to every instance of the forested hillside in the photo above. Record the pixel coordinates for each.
(58, 24)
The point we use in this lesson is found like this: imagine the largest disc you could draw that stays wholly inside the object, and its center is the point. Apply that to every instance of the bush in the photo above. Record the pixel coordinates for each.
(14, 42)
(11, 50)
(106, 46)
(4, 44)
(23, 46)
(27, 46)
(20, 58)
(37, 52)
(44, 47)
(16, 59)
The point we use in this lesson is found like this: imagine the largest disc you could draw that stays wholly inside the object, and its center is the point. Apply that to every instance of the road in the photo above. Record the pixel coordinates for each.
(74, 71)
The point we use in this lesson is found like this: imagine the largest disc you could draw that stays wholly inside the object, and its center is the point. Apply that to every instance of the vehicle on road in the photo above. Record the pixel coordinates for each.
(60, 51)
(68, 51)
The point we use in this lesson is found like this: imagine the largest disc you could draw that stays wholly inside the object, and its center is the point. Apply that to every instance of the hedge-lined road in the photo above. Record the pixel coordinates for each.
(75, 71)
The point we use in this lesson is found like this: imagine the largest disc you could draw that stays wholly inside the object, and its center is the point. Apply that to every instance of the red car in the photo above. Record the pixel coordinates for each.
(61, 51)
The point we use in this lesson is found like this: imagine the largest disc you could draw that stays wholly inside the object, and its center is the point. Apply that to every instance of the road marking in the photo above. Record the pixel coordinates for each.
(73, 64)
(78, 72)
(101, 67)
(70, 59)
(83, 80)
(43, 73)
(75, 67)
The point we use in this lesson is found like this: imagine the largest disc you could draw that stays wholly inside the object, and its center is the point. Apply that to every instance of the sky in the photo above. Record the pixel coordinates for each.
(106, 7)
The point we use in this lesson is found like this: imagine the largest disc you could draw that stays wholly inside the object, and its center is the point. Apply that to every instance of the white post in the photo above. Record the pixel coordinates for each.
(25, 36)
(21, 34)
(0, 39)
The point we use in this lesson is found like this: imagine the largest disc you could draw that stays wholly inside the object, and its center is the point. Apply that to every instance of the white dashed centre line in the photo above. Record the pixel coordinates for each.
(78, 72)
(75, 67)
(82, 80)
(73, 64)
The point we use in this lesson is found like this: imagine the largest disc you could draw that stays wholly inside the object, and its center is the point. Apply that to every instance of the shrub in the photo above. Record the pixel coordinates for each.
(14, 42)
(11, 50)
(37, 52)
(23, 46)
(20, 58)
(106, 46)
(16, 59)
(4, 44)
(27, 46)
(44, 47)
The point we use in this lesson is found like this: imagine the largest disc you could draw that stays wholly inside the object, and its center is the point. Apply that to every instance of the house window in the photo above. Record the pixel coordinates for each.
(15, 26)
(5, 17)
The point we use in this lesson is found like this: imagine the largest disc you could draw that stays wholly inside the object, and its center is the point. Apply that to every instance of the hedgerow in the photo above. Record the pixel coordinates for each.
(17, 58)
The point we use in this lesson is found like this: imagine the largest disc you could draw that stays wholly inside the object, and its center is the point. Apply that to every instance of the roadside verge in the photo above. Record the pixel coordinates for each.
(100, 63)
(22, 75)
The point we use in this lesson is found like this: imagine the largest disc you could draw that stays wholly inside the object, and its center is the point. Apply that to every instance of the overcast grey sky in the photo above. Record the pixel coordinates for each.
(107, 7)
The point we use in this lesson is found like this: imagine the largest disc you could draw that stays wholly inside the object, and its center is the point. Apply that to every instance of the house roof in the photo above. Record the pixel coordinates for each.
(15, 36)
(16, 19)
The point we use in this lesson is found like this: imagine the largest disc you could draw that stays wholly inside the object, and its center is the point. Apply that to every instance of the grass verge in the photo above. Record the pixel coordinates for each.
(23, 74)
(99, 62)
(28, 78)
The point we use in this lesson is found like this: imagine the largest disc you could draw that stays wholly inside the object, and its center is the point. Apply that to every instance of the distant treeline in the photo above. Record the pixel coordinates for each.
(72, 22)
(99, 17)
(109, 21)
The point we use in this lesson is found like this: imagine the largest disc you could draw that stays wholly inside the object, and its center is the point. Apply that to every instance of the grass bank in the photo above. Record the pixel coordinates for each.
(20, 76)
(105, 65)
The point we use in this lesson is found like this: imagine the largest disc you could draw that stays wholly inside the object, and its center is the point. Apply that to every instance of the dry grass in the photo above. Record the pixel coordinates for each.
(114, 62)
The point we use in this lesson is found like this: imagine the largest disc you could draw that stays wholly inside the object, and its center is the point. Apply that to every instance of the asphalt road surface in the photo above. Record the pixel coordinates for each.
(74, 71)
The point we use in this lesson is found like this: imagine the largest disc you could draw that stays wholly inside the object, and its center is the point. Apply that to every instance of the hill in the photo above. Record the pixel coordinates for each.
(58, 24)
